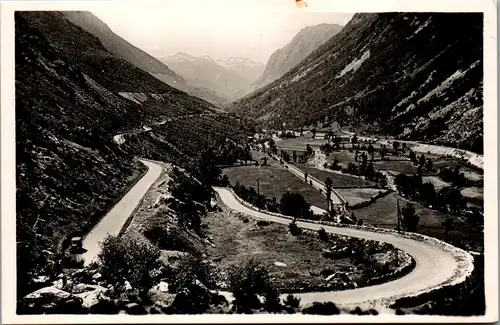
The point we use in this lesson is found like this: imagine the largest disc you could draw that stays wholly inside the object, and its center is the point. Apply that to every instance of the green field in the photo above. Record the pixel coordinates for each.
(339, 180)
(358, 195)
(383, 213)
(274, 182)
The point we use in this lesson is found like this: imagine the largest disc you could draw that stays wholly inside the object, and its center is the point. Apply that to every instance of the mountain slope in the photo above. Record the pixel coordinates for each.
(377, 74)
(71, 98)
(206, 73)
(120, 48)
(304, 43)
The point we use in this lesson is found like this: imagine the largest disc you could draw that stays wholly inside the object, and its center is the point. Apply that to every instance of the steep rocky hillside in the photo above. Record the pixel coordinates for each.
(304, 43)
(120, 48)
(69, 104)
(412, 75)
(206, 73)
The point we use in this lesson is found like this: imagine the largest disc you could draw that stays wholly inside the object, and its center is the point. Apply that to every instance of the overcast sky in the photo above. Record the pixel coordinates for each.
(218, 28)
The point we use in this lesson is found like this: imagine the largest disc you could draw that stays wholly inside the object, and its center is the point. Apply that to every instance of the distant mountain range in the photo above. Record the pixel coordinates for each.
(227, 78)
(415, 76)
(304, 43)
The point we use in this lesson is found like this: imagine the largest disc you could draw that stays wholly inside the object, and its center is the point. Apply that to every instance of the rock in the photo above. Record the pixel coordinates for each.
(40, 282)
(280, 264)
(327, 272)
(81, 287)
(93, 297)
(127, 286)
(163, 286)
(106, 307)
(154, 311)
(58, 284)
(51, 300)
(60, 275)
(97, 276)
(135, 309)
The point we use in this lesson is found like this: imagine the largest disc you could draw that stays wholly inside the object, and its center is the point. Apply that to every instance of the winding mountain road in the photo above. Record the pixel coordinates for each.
(115, 219)
(434, 265)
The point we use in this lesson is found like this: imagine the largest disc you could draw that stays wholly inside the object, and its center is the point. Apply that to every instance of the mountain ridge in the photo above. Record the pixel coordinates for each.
(302, 44)
(374, 76)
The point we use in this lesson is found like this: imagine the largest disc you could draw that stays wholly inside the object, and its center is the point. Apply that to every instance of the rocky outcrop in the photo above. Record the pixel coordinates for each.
(304, 43)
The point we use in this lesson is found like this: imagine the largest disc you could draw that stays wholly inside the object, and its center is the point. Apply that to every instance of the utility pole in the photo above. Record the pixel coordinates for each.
(399, 217)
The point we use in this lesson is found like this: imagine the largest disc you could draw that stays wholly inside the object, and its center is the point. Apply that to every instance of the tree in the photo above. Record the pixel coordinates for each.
(354, 140)
(356, 156)
(294, 204)
(309, 150)
(286, 156)
(429, 165)
(125, 259)
(250, 280)
(314, 132)
(382, 153)
(371, 151)
(328, 186)
(413, 157)
(452, 197)
(410, 219)
(427, 193)
(447, 225)
(421, 161)
(295, 156)
(305, 177)
(370, 170)
(395, 146)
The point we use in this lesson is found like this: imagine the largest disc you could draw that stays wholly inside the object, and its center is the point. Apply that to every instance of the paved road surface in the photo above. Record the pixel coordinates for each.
(433, 265)
(114, 220)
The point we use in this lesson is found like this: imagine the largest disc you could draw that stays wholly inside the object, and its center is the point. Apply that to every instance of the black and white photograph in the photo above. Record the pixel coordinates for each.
(256, 160)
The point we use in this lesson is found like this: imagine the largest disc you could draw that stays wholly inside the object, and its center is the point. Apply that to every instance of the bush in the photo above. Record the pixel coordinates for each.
(250, 280)
(121, 259)
(319, 308)
(294, 204)
(294, 229)
(292, 301)
(323, 235)
(168, 239)
(191, 268)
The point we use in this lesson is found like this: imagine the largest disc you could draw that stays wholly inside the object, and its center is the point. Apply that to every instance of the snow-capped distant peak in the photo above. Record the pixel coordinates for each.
(206, 57)
(180, 56)
(239, 62)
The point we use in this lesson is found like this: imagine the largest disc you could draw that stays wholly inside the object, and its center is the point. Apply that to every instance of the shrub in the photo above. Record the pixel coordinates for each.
(292, 301)
(323, 235)
(294, 229)
(250, 280)
(294, 204)
(191, 268)
(121, 259)
(168, 239)
(319, 308)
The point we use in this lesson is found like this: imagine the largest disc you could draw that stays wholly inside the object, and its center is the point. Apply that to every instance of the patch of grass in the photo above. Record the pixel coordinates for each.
(358, 195)
(274, 182)
(338, 180)
(383, 213)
